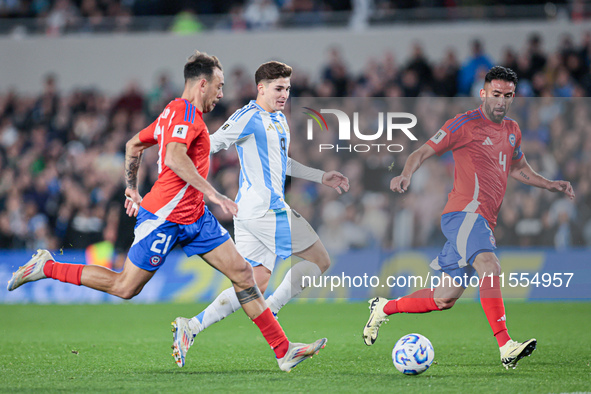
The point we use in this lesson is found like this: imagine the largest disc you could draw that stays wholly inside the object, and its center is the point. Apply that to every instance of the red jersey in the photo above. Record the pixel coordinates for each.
(171, 197)
(483, 152)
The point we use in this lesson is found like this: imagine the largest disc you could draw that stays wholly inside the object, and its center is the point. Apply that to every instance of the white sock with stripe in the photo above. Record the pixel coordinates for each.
(223, 306)
(292, 285)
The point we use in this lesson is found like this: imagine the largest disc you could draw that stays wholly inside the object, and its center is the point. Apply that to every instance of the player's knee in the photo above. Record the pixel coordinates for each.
(126, 293)
(323, 261)
(488, 264)
(492, 266)
(445, 303)
(243, 276)
(319, 256)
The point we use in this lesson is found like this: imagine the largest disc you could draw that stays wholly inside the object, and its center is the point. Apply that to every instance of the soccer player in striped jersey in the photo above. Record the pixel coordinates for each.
(486, 146)
(174, 213)
(265, 226)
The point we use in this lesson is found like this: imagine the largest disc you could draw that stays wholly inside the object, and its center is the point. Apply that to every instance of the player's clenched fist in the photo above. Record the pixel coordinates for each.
(400, 183)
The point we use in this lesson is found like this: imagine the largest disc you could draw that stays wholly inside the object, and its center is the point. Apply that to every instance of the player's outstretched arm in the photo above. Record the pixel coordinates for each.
(133, 158)
(178, 161)
(333, 179)
(401, 183)
(523, 172)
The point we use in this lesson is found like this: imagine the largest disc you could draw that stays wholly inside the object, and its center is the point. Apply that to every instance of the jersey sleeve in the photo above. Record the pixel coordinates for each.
(234, 130)
(452, 135)
(148, 135)
(517, 153)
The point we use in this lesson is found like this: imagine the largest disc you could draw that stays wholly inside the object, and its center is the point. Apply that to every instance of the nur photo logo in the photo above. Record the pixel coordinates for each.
(388, 123)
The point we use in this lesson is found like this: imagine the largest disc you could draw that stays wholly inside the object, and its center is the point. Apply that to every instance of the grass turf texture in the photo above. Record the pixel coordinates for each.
(126, 347)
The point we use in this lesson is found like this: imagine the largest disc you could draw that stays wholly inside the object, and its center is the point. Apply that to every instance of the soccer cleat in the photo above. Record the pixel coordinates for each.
(183, 338)
(376, 318)
(298, 352)
(513, 351)
(31, 271)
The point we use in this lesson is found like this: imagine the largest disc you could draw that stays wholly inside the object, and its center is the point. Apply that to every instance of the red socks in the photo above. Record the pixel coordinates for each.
(421, 301)
(69, 273)
(494, 309)
(272, 332)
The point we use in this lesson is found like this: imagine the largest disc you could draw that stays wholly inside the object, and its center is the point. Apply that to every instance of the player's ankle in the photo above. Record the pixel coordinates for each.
(48, 268)
(502, 338)
(281, 349)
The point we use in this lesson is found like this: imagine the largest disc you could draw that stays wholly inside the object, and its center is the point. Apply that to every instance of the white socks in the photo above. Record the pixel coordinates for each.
(224, 305)
(292, 284)
(227, 303)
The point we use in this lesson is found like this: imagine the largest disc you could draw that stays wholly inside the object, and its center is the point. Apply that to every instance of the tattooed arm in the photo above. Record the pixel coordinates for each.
(133, 158)
(523, 172)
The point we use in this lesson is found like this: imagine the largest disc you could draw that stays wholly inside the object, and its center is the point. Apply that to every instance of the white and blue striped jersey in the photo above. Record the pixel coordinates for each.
(262, 142)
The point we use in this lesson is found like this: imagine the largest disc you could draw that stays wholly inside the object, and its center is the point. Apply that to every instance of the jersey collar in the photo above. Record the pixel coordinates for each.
(276, 113)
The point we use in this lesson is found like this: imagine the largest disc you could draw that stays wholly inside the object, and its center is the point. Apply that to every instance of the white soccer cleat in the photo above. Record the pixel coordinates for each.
(513, 351)
(183, 338)
(376, 318)
(31, 271)
(298, 352)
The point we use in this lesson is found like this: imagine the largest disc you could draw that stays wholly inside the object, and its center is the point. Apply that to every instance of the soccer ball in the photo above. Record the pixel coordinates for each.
(413, 354)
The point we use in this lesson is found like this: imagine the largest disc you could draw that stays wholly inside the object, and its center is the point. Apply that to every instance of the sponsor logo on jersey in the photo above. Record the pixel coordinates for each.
(512, 140)
(155, 260)
(180, 131)
(439, 136)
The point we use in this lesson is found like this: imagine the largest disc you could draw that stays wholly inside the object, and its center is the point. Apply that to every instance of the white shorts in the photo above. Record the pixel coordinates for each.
(280, 233)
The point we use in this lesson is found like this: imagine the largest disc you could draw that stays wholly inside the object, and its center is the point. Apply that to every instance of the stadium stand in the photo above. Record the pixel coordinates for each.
(61, 152)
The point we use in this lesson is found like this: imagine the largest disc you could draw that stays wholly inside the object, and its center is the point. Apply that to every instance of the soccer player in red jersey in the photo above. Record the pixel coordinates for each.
(486, 146)
(174, 213)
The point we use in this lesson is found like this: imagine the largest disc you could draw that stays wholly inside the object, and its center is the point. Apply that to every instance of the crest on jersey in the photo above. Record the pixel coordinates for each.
(512, 140)
(180, 131)
(279, 127)
(493, 242)
(439, 136)
(155, 260)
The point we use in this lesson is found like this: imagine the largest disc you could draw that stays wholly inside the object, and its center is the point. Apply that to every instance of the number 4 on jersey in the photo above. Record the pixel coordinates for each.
(503, 161)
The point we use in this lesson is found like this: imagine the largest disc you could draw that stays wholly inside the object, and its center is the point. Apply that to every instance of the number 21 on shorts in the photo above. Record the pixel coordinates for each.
(163, 239)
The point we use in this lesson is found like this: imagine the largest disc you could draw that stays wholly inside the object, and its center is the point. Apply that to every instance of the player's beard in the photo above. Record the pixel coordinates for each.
(495, 117)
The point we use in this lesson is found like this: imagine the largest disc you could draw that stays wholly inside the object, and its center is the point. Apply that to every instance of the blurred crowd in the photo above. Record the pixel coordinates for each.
(62, 153)
(57, 17)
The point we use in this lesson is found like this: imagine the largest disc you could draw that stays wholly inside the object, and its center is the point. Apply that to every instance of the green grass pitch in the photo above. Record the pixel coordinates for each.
(126, 347)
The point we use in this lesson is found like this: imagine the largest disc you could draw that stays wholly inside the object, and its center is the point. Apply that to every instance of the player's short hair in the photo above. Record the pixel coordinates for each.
(200, 64)
(272, 70)
(502, 73)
